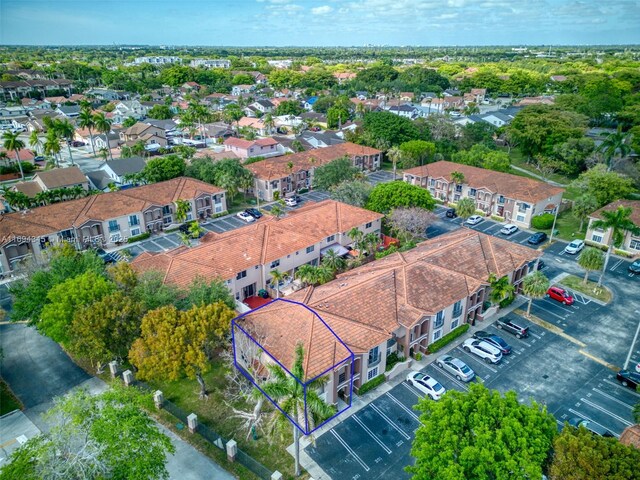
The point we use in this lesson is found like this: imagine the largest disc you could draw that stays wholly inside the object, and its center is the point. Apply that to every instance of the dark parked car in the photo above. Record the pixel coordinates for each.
(185, 228)
(578, 422)
(628, 378)
(494, 340)
(532, 265)
(105, 256)
(537, 238)
(635, 267)
(254, 212)
(513, 328)
(77, 143)
(451, 213)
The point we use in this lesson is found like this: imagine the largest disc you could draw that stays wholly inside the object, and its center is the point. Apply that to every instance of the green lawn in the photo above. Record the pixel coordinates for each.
(518, 160)
(567, 226)
(216, 412)
(8, 401)
(591, 288)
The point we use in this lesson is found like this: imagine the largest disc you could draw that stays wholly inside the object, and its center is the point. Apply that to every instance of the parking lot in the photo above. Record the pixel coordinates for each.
(375, 442)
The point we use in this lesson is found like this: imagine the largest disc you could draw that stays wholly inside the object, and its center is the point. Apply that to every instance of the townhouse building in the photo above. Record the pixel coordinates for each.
(105, 219)
(210, 63)
(515, 199)
(68, 177)
(244, 257)
(277, 177)
(398, 304)
(12, 90)
(262, 147)
(630, 242)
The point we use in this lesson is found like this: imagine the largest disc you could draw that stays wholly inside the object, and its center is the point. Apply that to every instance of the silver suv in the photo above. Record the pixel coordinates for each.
(482, 349)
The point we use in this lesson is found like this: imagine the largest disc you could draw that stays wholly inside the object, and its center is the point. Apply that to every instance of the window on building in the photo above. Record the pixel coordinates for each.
(459, 188)
(472, 192)
(390, 343)
(311, 248)
(520, 218)
(275, 263)
(455, 323)
(135, 231)
(439, 320)
(166, 210)
(501, 199)
(331, 238)
(437, 334)
(374, 356)
(133, 220)
(242, 274)
(342, 378)
(368, 225)
(634, 244)
(113, 226)
(596, 238)
(457, 309)
(372, 373)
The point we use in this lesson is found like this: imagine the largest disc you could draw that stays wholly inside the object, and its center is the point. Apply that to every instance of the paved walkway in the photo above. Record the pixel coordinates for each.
(539, 177)
(38, 370)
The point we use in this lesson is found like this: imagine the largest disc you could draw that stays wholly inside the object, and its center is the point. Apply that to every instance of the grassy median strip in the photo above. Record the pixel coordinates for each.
(591, 289)
(8, 401)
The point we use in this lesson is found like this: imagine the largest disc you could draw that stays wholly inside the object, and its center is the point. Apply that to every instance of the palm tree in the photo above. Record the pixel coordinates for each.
(52, 145)
(534, 285)
(87, 120)
(103, 125)
(395, 155)
(618, 222)
(307, 273)
(356, 237)
(277, 210)
(458, 179)
(304, 405)
(591, 260)
(371, 241)
(182, 208)
(333, 261)
(615, 142)
(65, 130)
(12, 142)
(269, 123)
(465, 207)
(278, 277)
(501, 288)
(35, 142)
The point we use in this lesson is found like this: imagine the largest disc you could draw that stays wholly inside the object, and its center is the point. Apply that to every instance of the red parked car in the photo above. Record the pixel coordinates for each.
(560, 294)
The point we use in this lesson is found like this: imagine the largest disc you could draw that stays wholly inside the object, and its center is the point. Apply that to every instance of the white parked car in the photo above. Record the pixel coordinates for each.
(427, 385)
(290, 202)
(473, 220)
(574, 247)
(508, 229)
(482, 349)
(245, 216)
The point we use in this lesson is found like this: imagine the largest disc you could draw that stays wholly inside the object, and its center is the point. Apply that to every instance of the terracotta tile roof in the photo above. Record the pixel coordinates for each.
(631, 436)
(322, 349)
(278, 167)
(61, 177)
(25, 155)
(511, 186)
(633, 204)
(51, 219)
(368, 303)
(225, 255)
(251, 122)
(238, 143)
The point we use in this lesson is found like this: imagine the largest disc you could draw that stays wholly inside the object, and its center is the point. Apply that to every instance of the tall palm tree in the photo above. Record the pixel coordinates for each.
(269, 123)
(182, 208)
(303, 405)
(307, 274)
(87, 120)
(52, 145)
(395, 155)
(591, 260)
(333, 261)
(619, 222)
(65, 130)
(534, 285)
(278, 277)
(371, 241)
(12, 142)
(501, 288)
(613, 143)
(35, 142)
(356, 237)
(103, 125)
(465, 207)
(457, 178)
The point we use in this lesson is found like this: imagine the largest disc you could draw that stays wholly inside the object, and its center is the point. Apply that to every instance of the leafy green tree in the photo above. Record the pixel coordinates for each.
(410, 224)
(151, 292)
(103, 125)
(66, 298)
(160, 112)
(65, 130)
(353, 192)
(582, 207)
(183, 207)
(501, 288)
(95, 437)
(12, 142)
(174, 344)
(203, 292)
(603, 185)
(477, 133)
(539, 128)
(390, 128)
(579, 455)
(129, 122)
(618, 222)
(497, 161)
(105, 330)
(592, 259)
(289, 107)
(387, 196)
(163, 168)
(333, 261)
(416, 152)
(535, 286)
(297, 403)
(481, 434)
(334, 173)
(87, 120)
(465, 207)
(573, 154)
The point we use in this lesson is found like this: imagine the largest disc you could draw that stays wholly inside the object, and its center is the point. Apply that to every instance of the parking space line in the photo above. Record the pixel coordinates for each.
(616, 265)
(366, 429)
(417, 419)
(389, 421)
(171, 241)
(411, 389)
(620, 402)
(471, 355)
(554, 314)
(452, 378)
(582, 415)
(621, 387)
(558, 305)
(350, 450)
(605, 411)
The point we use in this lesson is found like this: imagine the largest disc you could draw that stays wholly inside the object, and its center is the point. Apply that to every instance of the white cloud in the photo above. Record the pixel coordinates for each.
(323, 10)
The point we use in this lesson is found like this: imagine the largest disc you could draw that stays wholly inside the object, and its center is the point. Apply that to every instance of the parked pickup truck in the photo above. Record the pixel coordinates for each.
(513, 328)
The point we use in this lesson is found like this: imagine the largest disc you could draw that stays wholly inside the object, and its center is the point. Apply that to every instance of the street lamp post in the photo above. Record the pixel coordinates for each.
(553, 227)
(633, 343)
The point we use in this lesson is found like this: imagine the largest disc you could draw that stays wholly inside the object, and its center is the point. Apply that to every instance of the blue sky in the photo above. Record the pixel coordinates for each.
(319, 22)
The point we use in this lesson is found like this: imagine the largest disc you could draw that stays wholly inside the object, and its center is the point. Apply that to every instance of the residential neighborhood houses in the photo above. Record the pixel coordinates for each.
(630, 243)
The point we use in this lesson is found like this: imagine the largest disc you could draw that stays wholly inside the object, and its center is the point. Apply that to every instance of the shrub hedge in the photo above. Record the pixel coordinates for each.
(371, 384)
(448, 338)
(136, 238)
(542, 222)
